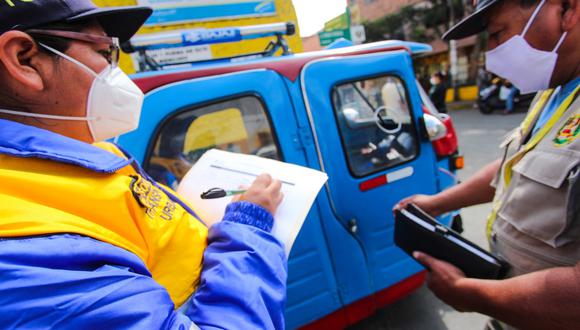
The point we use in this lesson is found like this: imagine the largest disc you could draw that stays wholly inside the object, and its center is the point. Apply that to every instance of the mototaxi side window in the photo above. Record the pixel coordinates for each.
(375, 123)
(236, 125)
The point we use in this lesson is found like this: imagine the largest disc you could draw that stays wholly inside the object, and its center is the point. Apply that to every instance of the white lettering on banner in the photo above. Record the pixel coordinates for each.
(209, 35)
(166, 56)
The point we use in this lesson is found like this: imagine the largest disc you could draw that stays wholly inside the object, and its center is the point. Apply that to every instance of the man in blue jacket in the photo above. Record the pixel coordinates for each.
(87, 238)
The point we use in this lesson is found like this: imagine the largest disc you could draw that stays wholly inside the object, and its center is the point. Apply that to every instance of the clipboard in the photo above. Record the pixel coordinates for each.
(217, 168)
(415, 230)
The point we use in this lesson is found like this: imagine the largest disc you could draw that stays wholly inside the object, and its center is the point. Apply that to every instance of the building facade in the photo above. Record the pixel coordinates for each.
(468, 59)
(370, 10)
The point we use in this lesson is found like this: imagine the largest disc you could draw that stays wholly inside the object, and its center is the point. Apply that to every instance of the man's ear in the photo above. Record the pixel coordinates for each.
(19, 55)
(570, 14)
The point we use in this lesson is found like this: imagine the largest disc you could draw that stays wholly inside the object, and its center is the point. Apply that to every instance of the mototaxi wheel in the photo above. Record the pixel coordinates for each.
(484, 108)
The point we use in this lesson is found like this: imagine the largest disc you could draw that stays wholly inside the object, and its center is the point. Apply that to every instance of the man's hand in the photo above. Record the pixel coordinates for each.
(425, 202)
(264, 192)
(476, 190)
(445, 280)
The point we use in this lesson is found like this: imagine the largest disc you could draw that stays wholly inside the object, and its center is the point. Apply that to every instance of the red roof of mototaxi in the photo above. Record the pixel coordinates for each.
(287, 66)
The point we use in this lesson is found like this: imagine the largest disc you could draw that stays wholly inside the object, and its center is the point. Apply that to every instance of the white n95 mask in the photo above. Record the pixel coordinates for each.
(528, 68)
(113, 104)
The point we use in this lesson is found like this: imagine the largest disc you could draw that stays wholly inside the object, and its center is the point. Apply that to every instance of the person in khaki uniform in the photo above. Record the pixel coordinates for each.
(535, 186)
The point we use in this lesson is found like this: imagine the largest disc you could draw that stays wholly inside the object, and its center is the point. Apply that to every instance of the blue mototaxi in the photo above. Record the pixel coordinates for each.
(356, 113)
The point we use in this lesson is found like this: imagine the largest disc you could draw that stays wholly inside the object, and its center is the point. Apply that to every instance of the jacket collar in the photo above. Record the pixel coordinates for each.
(25, 141)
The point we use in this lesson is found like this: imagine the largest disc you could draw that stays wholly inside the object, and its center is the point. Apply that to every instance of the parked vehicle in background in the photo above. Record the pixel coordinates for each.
(489, 98)
(355, 113)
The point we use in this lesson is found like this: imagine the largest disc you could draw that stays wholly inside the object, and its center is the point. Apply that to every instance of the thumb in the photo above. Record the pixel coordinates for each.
(402, 204)
(397, 207)
(238, 198)
(424, 259)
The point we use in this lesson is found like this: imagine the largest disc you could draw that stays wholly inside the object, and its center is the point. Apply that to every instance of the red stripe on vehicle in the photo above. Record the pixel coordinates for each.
(400, 290)
(373, 183)
(362, 309)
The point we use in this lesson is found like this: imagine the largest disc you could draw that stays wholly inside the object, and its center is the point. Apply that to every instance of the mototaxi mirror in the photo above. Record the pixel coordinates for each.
(435, 127)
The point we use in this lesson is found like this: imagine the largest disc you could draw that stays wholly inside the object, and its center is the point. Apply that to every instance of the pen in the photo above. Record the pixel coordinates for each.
(214, 193)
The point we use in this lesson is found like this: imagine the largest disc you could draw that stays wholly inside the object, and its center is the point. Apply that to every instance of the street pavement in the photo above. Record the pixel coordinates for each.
(479, 139)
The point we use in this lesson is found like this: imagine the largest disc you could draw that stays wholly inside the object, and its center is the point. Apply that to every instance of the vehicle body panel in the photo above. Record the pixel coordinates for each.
(371, 209)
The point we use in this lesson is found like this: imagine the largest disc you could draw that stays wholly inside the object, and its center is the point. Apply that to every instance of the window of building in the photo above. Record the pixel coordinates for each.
(375, 123)
(236, 125)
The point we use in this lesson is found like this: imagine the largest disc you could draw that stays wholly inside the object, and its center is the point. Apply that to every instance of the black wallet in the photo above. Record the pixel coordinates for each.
(415, 230)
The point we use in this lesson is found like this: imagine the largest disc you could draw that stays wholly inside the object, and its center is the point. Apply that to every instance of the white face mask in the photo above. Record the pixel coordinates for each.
(528, 68)
(113, 105)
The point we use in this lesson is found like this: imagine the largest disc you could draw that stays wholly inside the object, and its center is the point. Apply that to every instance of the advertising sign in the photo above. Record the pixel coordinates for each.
(328, 37)
(340, 22)
(168, 12)
(341, 27)
(356, 34)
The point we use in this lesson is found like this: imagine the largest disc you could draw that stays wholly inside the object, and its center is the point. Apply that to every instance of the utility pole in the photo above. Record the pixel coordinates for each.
(453, 51)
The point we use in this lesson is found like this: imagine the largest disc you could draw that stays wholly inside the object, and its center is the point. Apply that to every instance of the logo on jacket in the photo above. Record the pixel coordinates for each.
(153, 199)
(569, 132)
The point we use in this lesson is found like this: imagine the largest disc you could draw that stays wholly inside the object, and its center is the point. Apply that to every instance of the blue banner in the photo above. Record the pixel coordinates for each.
(184, 11)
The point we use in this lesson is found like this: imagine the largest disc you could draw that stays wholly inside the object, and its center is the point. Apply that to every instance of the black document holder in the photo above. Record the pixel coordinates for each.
(417, 231)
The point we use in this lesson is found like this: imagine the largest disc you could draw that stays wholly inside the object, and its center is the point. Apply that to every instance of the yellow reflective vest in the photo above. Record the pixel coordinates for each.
(98, 191)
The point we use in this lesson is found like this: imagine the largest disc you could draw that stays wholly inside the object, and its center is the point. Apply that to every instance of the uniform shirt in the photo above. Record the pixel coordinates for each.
(535, 223)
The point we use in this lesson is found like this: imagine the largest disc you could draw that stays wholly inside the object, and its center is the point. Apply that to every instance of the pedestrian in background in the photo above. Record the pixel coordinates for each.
(438, 91)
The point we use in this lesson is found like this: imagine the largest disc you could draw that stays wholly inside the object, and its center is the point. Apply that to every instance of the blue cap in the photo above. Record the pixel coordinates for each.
(472, 24)
(120, 22)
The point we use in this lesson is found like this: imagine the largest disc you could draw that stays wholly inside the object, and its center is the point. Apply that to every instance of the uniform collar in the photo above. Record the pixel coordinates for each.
(25, 141)
(570, 87)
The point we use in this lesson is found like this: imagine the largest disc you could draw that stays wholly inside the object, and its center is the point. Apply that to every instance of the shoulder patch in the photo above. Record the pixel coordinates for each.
(569, 132)
(155, 202)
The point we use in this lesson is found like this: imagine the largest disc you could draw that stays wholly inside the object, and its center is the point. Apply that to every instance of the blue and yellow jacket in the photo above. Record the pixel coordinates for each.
(88, 239)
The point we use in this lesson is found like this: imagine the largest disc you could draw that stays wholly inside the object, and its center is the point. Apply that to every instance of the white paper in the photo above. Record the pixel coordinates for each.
(229, 171)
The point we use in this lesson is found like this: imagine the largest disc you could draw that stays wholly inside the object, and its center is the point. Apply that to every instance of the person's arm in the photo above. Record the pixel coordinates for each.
(475, 190)
(548, 299)
(243, 279)
(243, 283)
(74, 282)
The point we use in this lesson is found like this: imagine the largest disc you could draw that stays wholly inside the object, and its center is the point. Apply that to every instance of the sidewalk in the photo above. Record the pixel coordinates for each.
(461, 105)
